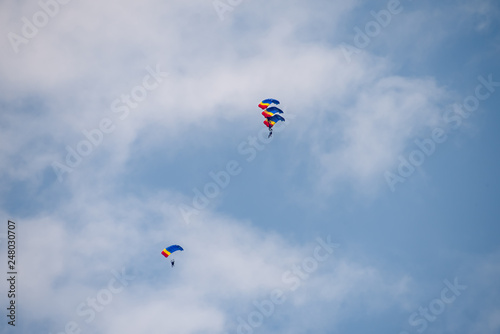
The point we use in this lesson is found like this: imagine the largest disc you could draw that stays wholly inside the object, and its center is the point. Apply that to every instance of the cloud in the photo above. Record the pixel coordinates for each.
(385, 116)
(93, 56)
(227, 265)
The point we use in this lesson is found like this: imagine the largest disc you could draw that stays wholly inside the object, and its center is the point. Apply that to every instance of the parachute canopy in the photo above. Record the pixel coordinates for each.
(270, 121)
(271, 111)
(170, 249)
(265, 103)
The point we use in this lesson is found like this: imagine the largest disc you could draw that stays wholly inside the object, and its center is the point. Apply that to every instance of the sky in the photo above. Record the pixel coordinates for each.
(129, 126)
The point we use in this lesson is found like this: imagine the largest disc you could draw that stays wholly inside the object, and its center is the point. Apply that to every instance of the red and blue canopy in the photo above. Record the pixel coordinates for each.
(269, 112)
(270, 121)
(170, 249)
(265, 103)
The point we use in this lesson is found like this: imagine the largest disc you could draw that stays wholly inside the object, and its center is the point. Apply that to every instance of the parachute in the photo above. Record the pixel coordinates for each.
(270, 121)
(265, 103)
(170, 249)
(271, 114)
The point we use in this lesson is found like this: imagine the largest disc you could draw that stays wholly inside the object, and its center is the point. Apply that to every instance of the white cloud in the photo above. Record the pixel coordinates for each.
(386, 115)
(226, 266)
(88, 56)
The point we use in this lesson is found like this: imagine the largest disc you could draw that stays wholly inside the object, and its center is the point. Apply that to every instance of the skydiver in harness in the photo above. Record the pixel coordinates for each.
(270, 128)
(172, 262)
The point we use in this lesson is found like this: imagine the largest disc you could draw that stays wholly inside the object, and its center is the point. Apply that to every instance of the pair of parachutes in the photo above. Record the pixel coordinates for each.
(271, 113)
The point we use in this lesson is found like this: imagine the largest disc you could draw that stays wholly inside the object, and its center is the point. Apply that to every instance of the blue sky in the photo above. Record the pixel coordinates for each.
(130, 126)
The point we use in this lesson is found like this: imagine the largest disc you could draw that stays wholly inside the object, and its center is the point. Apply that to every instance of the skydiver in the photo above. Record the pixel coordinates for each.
(270, 132)
(172, 262)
